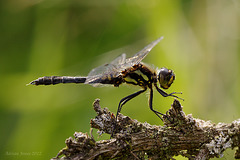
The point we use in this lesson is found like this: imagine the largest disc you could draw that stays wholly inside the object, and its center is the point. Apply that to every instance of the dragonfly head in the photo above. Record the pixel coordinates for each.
(165, 78)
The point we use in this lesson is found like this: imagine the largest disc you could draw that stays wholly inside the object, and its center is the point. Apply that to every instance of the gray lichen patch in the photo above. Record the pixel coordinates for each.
(219, 144)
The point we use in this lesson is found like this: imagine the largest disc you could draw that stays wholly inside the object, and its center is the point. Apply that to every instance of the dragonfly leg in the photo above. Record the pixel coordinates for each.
(151, 107)
(164, 94)
(124, 101)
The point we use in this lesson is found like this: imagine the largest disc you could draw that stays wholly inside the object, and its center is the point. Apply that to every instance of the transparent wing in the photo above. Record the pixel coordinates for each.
(118, 65)
(138, 57)
(114, 69)
(120, 59)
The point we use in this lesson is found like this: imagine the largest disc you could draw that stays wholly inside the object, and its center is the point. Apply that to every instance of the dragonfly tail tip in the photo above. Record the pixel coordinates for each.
(31, 83)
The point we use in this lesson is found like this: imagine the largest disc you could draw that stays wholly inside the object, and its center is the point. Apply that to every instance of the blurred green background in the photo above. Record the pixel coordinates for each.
(56, 37)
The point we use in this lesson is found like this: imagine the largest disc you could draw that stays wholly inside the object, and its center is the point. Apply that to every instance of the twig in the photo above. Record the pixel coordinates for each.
(181, 135)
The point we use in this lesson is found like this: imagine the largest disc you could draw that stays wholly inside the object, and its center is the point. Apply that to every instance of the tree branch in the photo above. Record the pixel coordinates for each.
(181, 135)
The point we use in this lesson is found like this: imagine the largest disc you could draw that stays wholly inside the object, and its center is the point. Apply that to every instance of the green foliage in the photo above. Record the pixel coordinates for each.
(40, 38)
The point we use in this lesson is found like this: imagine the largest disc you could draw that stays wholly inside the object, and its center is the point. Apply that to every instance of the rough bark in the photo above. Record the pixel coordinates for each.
(181, 135)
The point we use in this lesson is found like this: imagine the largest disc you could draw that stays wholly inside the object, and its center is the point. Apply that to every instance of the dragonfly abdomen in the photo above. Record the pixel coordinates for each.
(48, 80)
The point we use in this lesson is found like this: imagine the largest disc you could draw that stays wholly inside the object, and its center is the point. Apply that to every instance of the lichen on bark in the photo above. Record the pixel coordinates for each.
(180, 135)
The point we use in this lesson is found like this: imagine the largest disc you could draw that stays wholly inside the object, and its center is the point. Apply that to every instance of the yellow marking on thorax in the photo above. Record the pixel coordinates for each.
(129, 79)
(141, 74)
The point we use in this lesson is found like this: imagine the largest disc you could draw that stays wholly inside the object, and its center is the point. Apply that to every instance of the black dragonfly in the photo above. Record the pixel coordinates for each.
(124, 70)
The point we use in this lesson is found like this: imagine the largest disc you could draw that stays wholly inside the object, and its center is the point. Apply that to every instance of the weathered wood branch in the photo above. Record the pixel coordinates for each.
(181, 135)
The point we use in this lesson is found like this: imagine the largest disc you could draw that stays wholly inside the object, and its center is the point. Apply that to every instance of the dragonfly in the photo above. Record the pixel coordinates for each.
(124, 70)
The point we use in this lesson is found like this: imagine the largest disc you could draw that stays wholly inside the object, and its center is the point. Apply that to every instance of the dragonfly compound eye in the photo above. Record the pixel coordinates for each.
(165, 78)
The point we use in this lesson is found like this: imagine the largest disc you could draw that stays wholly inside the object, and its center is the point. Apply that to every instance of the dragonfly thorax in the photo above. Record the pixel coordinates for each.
(140, 75)
(165, 77)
